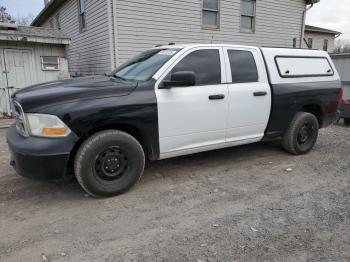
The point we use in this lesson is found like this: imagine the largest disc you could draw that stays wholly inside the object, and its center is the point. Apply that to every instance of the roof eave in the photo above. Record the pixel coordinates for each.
(311, 2)
(48, 10)
(35, 39)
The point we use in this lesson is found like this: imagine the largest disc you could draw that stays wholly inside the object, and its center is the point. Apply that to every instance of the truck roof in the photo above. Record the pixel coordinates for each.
(192, 45)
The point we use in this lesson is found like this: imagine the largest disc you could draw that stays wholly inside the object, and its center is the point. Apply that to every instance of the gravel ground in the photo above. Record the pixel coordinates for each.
(236, 204)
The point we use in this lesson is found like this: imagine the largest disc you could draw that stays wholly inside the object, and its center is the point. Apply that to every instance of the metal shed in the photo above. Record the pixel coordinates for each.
(29, 55)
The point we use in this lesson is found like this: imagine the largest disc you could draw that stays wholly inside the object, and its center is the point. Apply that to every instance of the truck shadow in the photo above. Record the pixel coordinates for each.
(16, 187)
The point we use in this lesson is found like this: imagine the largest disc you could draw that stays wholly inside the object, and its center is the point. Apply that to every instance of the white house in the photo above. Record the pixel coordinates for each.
(105, 33)
(319, 38)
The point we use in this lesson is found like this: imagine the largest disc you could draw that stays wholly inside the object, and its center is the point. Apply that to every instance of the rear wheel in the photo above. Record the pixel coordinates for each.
(347, 121)
(109, 163)
(301, 134)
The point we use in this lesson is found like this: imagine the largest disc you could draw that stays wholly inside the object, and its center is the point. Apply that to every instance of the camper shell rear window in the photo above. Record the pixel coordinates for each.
(303, 66)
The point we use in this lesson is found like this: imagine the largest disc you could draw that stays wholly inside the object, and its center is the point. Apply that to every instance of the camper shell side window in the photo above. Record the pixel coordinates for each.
(303, 66)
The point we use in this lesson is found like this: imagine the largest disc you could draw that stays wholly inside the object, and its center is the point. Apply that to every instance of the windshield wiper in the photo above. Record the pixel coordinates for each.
(118, 77)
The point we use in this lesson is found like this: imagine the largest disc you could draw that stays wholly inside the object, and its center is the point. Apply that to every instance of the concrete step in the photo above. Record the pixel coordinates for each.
(5, 123)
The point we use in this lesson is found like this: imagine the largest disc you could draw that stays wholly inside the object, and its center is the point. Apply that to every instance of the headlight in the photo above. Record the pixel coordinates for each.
(46, 126)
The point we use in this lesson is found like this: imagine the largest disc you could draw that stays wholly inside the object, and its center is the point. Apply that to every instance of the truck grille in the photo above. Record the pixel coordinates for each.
(18, 115)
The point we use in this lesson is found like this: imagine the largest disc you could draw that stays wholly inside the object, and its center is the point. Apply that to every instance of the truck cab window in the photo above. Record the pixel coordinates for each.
(204, 63)
(145, 65)
(243, 66)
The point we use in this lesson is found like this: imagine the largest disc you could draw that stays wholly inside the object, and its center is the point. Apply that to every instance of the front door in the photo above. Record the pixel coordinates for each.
(193, 119)
(249, 95)
(17, 67)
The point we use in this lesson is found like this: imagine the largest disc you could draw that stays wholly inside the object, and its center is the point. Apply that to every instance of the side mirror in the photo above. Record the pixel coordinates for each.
(179, 79)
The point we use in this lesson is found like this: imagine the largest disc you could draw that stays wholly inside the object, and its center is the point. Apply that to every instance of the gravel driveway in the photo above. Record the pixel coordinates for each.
(236, 204)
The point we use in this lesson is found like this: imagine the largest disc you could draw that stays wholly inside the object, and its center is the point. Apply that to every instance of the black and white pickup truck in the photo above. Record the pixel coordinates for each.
(170, 101)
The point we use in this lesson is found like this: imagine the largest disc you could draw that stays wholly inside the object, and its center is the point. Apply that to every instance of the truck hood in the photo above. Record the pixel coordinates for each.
(65, 91)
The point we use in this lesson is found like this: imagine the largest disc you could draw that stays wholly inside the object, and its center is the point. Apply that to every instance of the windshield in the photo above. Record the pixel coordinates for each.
(145, 65)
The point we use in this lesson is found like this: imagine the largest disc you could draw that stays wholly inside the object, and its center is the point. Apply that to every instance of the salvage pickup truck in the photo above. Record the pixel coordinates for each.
(170, 101)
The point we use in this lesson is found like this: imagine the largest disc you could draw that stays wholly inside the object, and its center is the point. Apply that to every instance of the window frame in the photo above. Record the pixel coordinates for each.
(310, 42)
(211, 27)
(179, 57)
(82, 15)
(58, 21)
(48, 69)
(325, 45)
(52, 23)
(252, 17)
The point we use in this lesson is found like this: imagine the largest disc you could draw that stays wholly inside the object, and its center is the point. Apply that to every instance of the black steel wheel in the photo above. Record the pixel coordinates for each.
(301, 134)
(305, 133)
(109, 163)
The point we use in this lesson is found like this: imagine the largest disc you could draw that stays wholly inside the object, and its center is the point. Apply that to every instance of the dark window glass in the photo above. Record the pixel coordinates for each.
(204, 63)
(82, 20)
(325, 45)
(309, 43)
(243, 67)
(58, 22)
(82, 6)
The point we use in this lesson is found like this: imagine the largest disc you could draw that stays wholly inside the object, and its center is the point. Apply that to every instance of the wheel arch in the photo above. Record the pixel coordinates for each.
(315, 109)
(141, 137)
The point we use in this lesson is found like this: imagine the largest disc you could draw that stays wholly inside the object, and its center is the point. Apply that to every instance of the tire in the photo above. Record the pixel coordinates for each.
(347, 121)
(301, 134)
(103, 153)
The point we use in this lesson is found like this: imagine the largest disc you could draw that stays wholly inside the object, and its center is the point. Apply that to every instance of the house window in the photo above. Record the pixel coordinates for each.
(325, 45)
(309, 43)
(248, 10)
(52, 24)
(50, 63)
(58, 22)
(82, 20)
(211, 14)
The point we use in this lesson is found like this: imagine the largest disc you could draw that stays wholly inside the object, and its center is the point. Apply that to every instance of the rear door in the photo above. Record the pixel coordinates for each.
(249, 95)
(194, 118)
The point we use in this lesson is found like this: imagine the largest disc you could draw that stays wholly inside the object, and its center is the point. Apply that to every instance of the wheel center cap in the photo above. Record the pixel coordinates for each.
(111, 164)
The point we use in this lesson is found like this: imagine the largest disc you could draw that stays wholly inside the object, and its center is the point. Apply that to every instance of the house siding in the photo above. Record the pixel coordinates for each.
(141, 25)
(90, 50)
(37, 50)
(318, 40)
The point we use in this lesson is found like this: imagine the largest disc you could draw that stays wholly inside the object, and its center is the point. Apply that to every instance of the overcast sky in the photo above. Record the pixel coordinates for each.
(332, 14)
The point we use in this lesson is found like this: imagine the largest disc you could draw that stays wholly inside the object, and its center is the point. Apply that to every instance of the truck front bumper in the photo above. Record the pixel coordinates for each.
(40, 158)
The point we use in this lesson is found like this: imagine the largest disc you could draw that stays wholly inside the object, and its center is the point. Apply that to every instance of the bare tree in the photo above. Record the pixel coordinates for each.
(4, 16)
(342, 46)
(25, 20)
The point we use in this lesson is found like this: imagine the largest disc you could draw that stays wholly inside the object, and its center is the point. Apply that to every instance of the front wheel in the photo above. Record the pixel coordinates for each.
(109, 163)
(301, 134)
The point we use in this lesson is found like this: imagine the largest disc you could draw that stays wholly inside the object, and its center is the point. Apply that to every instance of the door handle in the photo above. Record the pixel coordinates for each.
(260, 93)
(216, 97)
